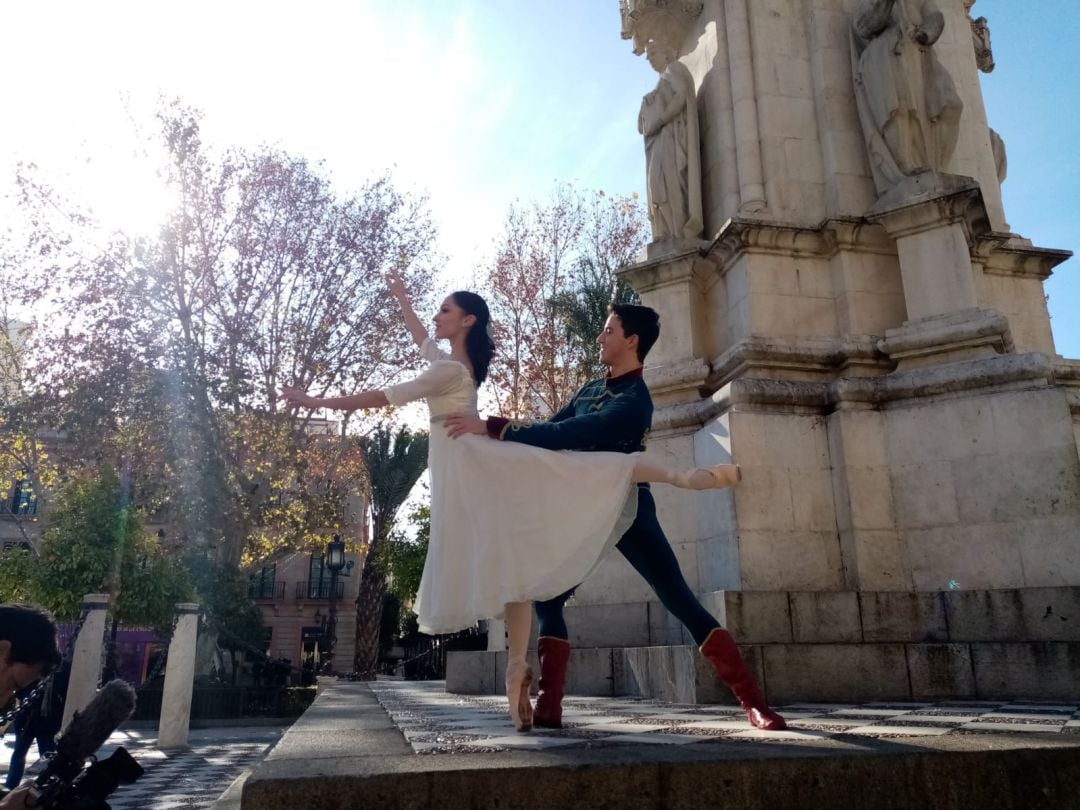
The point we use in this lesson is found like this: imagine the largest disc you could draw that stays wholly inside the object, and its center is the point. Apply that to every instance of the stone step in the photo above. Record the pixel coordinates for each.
(807, 672)
(347, 752)
(1003, 614)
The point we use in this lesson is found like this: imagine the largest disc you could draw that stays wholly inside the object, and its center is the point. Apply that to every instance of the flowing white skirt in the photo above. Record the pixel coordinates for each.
(513, 523)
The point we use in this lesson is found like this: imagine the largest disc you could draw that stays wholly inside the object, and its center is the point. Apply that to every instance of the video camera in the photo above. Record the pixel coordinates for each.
(66, 784)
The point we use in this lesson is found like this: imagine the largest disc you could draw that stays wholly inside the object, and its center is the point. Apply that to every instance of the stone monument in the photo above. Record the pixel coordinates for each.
(862, 333)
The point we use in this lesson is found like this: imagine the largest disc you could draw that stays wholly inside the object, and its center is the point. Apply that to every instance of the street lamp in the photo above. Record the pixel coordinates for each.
(335, 561)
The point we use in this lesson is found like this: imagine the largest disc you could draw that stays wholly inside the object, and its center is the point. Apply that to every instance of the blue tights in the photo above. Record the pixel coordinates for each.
(648, 550)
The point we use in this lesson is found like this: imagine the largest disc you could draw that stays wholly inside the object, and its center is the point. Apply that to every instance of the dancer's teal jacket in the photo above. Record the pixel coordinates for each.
(614, 414)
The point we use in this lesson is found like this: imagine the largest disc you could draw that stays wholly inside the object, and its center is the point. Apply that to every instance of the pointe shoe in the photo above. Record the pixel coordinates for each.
(719, 477)
(518, 680)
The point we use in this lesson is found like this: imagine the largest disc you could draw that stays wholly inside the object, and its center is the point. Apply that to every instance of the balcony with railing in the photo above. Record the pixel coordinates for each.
(268, 590)
(319, 589)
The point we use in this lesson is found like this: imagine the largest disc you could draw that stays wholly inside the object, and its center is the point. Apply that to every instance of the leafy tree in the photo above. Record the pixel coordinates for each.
(554, 272)
(24, 455)
(403, 561)
(18, 567)
(164, 354)
(394, 461)
(96, 543)
(404, 556)
(231, 615)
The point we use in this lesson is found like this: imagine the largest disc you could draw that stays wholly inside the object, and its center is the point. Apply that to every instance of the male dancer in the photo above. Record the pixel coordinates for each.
(614, 414)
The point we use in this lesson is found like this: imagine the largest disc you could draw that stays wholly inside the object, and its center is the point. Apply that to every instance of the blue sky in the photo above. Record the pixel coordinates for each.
(1032, 100)
(476, 102)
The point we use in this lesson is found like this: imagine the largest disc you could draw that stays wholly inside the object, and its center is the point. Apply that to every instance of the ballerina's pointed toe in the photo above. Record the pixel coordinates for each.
(518, 680)
(719, 477)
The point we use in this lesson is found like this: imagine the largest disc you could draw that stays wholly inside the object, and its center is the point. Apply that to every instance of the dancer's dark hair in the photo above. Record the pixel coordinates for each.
(641, 321)
(478, 343)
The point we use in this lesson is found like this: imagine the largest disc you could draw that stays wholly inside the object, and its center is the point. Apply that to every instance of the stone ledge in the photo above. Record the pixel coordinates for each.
(315, 771)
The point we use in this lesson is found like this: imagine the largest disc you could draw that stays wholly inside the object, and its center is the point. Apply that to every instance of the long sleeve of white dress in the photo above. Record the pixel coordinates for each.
(438, 379)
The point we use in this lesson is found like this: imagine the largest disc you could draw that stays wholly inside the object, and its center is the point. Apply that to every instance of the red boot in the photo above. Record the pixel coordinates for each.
(722, 653)
(554, 654)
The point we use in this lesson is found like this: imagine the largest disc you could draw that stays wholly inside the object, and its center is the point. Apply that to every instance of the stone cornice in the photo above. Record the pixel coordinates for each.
(755, 235)
(683, 261)
(1008, 255)
(1009, 370)
(817, 355)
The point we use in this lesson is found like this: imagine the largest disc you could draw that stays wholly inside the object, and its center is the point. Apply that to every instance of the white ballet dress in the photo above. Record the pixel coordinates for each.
(509, 522)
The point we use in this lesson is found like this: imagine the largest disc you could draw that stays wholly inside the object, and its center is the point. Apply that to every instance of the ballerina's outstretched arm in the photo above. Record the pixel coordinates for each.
(397, 289)
(295, 398)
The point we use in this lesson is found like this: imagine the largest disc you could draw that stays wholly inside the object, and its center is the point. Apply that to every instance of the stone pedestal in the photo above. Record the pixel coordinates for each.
(179, 680)
(933, 229)
(86, 660)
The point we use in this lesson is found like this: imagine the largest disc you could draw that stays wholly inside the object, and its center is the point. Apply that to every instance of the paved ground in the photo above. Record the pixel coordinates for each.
(188, 779)
(434, 722)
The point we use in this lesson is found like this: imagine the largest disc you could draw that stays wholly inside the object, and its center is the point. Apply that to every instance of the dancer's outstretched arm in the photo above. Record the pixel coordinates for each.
(397, 289)
(620, 419)
(295, 398)
(438, 378)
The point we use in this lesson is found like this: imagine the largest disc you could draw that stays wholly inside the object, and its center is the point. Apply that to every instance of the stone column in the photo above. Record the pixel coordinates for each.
(744, 97)
(179, 679)
(86, 660)
(496, 635)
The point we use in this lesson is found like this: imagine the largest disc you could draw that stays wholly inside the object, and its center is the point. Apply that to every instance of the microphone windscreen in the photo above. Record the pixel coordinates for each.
(90, 728)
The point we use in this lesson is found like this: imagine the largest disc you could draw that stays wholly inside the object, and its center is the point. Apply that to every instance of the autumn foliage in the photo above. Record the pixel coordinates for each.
(552, 277)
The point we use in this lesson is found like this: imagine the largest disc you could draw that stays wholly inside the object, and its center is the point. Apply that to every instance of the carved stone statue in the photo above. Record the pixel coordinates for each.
(669, 122)
(908, 104)
(984, 58)
(980, 37)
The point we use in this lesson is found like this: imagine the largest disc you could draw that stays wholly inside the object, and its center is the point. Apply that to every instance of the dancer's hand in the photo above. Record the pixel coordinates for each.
(396, 285)
(459, 425)
(295, 398)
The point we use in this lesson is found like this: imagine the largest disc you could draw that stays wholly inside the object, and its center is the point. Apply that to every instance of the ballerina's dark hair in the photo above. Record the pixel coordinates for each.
(478, 342)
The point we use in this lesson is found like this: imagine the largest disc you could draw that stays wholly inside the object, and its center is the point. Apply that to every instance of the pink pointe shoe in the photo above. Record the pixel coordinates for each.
(724, 475)
(518, 680)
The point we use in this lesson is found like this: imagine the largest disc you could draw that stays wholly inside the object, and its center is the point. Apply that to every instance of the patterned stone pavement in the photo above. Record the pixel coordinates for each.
(191, 779)
(435, 722)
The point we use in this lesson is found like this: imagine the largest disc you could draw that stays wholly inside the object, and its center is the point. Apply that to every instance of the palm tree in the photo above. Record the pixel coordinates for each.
(584, 310)
(395, 461)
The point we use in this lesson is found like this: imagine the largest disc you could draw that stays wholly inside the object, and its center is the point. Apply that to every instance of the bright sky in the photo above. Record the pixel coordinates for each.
(476, 102)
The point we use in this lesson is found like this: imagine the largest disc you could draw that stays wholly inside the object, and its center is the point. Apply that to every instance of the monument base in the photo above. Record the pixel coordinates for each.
(1018, 643)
